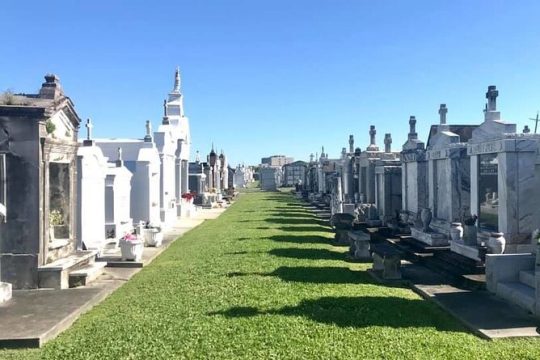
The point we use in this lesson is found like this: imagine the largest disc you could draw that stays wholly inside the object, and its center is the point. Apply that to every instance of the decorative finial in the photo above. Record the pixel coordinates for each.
(119, 152)
(526, 129)
(197, 156)
(442, 113)
(388, 143)
(311, 157)
(165, 107)
(351, 143)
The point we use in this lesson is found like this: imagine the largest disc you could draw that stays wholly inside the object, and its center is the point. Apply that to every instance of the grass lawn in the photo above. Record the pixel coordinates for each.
(262, 282)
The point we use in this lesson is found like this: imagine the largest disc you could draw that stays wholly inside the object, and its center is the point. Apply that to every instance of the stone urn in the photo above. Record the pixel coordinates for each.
(456, 231)
(404, 215)
(426, 217)
(496, 243)
(131, 248)
(153, 237)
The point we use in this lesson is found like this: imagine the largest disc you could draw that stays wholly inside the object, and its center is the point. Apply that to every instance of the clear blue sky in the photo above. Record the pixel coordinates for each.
(281, 76)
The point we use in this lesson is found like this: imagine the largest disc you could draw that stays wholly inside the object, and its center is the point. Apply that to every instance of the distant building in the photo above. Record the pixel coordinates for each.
(276, 160)
(294, 172)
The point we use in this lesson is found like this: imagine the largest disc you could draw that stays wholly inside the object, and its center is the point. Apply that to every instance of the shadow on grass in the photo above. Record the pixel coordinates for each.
(292, 213)
(296, 220)
(314, 275)
(312, 254)
(360, 312)
(301, 239)
(244, 252)
(305, 228)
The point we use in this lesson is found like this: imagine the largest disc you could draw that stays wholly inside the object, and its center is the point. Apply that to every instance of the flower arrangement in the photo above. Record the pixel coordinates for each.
(56, 218)
(130, 237)
(188, 196)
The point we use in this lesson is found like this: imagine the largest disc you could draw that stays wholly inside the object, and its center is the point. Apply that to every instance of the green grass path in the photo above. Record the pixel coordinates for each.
(262, 282)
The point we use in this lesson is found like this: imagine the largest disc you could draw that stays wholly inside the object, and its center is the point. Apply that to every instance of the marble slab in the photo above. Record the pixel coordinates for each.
(431, 238)
(470, 252)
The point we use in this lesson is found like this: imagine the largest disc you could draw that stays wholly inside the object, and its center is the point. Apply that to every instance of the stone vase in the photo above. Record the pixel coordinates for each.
(496, 243)
(131, 249)
(456, 231)
(404, 217)
(426, 217)
(153, 237)
(470, 235)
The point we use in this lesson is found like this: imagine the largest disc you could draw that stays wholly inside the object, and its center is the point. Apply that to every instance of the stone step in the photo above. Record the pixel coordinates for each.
(86, 274)
(463, 263)
(518, 294)
(5, 292)
(56, 274)
(526, 277)
(457, 276)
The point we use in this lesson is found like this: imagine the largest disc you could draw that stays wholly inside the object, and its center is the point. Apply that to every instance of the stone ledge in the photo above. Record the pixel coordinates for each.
(70, 261)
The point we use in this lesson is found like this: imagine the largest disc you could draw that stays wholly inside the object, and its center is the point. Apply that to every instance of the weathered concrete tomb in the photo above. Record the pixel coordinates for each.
(38, 140)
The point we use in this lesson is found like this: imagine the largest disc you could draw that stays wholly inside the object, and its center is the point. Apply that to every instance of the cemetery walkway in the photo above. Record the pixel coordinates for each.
(263, 281)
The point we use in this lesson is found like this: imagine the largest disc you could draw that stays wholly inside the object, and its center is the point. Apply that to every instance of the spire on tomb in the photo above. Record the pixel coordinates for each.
(176, 88)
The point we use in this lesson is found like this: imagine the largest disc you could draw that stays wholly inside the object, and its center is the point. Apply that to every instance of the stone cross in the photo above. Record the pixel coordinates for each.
(442, 113)
(351, 143)
(412, 127)
(372, 133)
(526, 129)
(491, 95)
(387, 143)
(89, 127)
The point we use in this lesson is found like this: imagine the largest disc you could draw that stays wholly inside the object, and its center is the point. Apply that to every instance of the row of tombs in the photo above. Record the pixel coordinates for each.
(68, 206)
(466, 201)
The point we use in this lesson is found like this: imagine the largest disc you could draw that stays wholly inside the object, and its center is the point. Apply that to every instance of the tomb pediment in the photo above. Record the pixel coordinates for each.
(492, 129)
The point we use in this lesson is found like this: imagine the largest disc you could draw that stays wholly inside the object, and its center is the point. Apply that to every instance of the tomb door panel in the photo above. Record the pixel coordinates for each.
(441, 195)
(488, 190)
